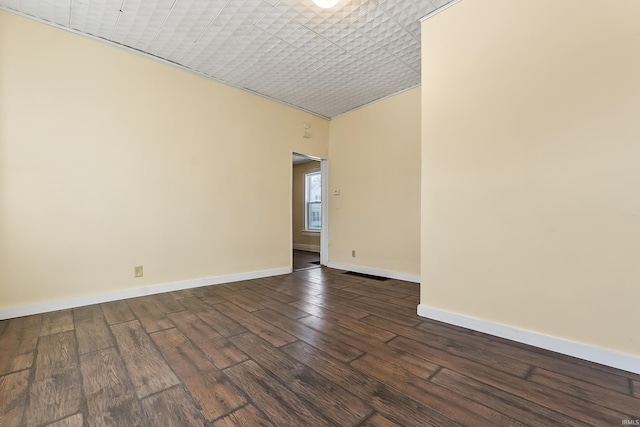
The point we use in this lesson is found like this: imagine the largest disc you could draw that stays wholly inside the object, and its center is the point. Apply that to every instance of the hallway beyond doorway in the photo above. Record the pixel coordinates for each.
(304, 260)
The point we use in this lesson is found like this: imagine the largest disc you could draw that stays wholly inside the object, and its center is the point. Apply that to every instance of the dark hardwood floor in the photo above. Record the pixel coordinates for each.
(304, 260)
(313, 348)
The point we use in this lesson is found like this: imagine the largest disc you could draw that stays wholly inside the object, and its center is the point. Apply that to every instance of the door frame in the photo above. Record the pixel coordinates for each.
(324, 231)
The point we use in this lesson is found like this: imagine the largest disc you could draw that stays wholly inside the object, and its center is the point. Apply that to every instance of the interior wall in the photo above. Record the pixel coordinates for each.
(109, 160)
(530, 195)
(375, 163)
(303, 240)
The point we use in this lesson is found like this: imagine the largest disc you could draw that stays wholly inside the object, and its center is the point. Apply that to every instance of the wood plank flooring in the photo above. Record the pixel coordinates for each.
(312, 348)
(303, 260)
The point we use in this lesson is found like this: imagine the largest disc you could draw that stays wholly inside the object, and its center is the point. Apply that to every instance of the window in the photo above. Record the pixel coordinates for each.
(313, 200)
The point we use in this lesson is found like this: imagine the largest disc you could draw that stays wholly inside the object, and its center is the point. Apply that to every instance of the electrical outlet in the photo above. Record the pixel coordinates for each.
(137, 271)
(353, 254)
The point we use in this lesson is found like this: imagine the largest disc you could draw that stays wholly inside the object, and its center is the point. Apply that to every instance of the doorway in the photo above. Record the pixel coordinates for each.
(308, 211)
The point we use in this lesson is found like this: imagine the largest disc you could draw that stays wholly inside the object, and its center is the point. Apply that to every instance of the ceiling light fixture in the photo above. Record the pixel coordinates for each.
(325, 4)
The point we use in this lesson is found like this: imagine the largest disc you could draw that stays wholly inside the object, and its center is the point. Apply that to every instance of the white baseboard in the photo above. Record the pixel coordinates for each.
(26, 310)
(375, 272)
(308, 248)
(599, 355)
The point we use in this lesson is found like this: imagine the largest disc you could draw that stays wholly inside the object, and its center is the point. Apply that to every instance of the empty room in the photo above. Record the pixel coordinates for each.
(319, 213)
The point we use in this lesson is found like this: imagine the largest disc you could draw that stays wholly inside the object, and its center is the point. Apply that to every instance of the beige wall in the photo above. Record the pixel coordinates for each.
(308, 241)
(530, 177)
(375, 163)
(110, 160)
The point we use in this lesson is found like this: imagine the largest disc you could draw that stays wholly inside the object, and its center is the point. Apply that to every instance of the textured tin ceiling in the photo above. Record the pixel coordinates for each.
(326, 61)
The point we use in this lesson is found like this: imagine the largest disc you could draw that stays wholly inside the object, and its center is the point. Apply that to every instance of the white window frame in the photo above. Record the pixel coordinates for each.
(307, 203)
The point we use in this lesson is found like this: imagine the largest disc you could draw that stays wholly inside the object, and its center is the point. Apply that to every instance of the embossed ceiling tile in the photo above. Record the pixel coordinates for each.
(390, 78)
(269, 82)
(97, 17)
(11, 4)
(348, 64)
(300, 11)
(327, 61)
(54, 11)
(254, 45)
(399, 44)
(187, 20)
(139, 21)
(414, 29)
(338, 36)
(353, 10)
(321, 47)
(292, 62)
(278, 23)
(417, 32)
(282, 59)
(371, 19)
(411, 60)
(313, 43)
(301, 92)
(406, 49)
(32, 7)
(228, 27)
(327, 27)
(381, 28)
(373, 56)
(356, 68)
(405, 54)
(439, 3)
(335, 103)
(340, 18)
(302, 88)
(407, 12)
(328, 53)
(353, 41)
(300, 36)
